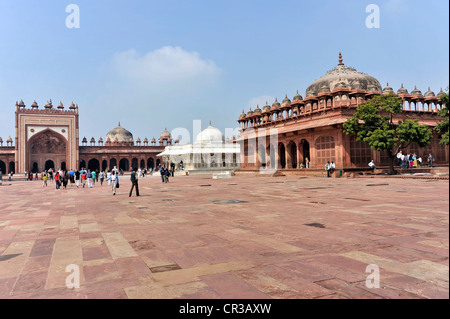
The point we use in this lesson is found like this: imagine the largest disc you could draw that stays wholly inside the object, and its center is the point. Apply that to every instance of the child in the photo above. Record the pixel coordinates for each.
(83, 178)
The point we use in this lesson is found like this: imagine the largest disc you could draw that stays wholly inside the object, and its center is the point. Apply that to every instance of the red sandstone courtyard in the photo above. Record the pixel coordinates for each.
(245, 237)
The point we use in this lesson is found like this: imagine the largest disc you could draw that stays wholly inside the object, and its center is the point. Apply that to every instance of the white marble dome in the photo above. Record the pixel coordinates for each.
(210, 135)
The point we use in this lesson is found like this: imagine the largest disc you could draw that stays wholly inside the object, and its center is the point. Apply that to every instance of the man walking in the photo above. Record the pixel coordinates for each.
(134, 182)
(327, 168)
(89, 177)
(430, 159)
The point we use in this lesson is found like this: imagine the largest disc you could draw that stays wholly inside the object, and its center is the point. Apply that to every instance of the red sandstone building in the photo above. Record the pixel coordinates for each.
(49, 138)
(312, 127)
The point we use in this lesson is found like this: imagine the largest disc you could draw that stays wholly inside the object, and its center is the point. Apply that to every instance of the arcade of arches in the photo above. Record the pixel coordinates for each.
(49, 138)
(345, 151)
(121, 162)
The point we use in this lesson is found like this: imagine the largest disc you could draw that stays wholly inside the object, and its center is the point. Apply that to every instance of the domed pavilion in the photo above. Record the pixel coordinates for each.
(286, 136)
(210, 153)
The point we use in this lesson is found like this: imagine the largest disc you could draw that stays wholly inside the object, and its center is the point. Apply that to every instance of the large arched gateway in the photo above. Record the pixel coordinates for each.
(48, 137)
(45, 147)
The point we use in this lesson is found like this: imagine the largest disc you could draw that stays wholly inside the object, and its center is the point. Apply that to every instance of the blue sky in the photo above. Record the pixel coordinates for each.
(157, 64)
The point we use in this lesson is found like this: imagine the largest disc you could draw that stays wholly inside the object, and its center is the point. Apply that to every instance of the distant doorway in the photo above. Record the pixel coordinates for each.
(282, 154)
(49, 165)
(306, 152)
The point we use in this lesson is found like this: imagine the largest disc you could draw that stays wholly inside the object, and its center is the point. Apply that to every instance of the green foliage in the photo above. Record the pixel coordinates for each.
(443, 127)
(373, 123)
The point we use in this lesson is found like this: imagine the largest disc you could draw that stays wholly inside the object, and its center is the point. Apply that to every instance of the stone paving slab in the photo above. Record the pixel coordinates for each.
(249, 236)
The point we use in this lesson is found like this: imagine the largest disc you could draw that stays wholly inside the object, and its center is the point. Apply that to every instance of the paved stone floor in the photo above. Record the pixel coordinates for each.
(245, 237)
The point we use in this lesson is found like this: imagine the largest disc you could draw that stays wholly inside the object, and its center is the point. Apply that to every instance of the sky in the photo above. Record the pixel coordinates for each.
(152, 65)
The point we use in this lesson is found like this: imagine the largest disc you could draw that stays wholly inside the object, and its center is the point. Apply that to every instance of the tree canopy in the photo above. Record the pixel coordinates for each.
(443, 127)
(373, 123)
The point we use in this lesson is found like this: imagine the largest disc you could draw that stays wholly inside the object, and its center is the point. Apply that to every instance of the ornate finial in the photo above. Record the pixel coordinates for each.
(119, 123)
(341, 61)
(210, 124)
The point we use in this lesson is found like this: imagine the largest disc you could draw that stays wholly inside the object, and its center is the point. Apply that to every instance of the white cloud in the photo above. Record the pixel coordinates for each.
(147, 92)
(165, 65)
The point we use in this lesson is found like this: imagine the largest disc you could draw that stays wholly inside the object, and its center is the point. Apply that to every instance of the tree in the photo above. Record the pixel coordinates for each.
(373, 123)
(443, 127)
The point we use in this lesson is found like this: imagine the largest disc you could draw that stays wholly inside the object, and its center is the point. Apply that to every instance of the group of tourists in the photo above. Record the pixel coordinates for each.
(165, 173)
(409, 160)
(86, 178)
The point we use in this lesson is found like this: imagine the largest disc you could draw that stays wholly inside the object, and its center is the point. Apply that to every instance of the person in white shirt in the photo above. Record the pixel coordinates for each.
(399, 158)
(108, 177)
(372, 165)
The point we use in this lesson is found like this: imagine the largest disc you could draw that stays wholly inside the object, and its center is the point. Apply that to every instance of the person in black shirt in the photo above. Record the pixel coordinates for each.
(134, 182)
(77, 178)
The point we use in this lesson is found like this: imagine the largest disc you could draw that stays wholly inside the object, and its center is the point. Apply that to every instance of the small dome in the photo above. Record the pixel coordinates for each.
(324, 88)
(72, 106)
(21, 104)
(9, 140)
(154, 140)
(165, 134)
(250, 113)
(119, 134)
(310, 92)
(34, 105)
(402, 90)
(266, 107)
(276, 104)
(210, 135)
(298, 97)
(242, 114)
(49, 104)
(100, 140)
(286, 100)
(138, 140)
(92, 140)
(440, 93)
(84, 140)
(146, 140)
(257, 110)
(388, 89)
(1, 140)
(429, 93)
(416, 91)
(60, 105)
